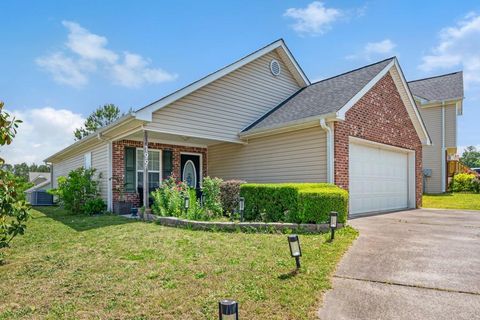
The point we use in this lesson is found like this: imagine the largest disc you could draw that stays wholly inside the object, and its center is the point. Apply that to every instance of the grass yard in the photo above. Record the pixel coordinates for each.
(466, 201)
(109, 267)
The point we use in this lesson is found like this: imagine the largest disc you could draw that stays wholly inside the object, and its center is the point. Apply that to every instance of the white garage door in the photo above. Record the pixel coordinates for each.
(378, 179)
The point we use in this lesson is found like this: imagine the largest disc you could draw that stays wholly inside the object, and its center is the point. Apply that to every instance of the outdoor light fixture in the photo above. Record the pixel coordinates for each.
(241, 207)
(228, 310)
(333, 223)
(295, 249)
(186, 203)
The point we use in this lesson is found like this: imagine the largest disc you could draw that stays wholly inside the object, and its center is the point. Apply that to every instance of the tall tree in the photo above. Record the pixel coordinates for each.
(471, 157)
(98, 119)
(13, 208)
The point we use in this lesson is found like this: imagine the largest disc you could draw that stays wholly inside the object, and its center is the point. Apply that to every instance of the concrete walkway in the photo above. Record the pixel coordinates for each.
(419, 264)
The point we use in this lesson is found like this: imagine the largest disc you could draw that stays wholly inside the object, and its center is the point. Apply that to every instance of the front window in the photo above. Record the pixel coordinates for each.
(153, 169)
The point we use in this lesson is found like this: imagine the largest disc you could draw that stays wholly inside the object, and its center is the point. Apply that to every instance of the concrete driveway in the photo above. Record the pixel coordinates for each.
(418, 264)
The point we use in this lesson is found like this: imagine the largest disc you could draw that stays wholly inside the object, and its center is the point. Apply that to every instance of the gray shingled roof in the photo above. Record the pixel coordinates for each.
(444, 87)
(323, 97)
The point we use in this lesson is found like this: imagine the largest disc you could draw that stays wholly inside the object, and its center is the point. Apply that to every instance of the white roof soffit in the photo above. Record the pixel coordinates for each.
(421, 130)
(145, 113)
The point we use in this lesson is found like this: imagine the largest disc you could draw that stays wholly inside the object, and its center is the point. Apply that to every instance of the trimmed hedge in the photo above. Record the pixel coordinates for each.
(294, 202)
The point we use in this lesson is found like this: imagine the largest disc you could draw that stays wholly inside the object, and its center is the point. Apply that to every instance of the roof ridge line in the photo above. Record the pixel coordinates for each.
(437, 76)
(353, 70)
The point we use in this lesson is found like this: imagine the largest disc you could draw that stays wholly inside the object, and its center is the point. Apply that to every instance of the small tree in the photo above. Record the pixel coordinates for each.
(98, 119)
(75, 190)
(471, 157)
(13, 208)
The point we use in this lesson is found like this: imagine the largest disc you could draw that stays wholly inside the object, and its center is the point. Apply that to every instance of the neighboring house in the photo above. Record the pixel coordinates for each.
(38, 177)
(37, 195)
(440, 101)
(261, 120)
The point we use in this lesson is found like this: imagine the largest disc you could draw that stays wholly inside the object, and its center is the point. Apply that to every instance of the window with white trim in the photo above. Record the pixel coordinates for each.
(87, 160)
(154, 166)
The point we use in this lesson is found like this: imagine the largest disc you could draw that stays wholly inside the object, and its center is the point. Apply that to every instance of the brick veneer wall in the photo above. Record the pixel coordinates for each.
(118, 168)
(379, 116)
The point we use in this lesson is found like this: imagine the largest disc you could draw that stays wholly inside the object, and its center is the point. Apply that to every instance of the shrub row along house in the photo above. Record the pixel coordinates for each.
(260, 119)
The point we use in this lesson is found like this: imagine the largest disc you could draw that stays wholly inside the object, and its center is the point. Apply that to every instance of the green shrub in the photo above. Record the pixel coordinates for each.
(229, 194)
(464, 182)
(95, 206)
(476, 185)
(294, 202)
(168, 199)
(76, 189)
(211, 196)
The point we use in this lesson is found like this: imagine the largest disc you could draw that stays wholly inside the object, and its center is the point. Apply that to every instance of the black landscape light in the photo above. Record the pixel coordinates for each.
(333, 223)
(228, 310)
(186, 203)
(295, 249)
(241, 207)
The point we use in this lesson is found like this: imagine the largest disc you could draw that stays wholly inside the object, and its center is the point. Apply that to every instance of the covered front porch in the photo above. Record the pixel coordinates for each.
(146, 157)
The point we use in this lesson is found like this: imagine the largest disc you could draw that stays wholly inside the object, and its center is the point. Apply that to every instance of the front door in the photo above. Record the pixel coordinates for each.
(190, 170)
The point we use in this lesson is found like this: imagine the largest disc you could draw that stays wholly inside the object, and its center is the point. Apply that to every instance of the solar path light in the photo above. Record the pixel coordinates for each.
(295, 249)
(227, 310)
(333, 223)
(186, 203)
(241, 207)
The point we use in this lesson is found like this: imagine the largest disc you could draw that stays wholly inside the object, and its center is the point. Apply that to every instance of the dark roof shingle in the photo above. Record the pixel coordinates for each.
(323, 97)
(444, 87)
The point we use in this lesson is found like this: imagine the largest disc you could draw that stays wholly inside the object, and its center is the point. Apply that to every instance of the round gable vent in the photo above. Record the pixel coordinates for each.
(275, 67)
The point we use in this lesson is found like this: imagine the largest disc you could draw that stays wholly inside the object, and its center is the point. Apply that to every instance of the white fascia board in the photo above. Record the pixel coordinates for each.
(145, 113)
(288, 126)
(427, 141)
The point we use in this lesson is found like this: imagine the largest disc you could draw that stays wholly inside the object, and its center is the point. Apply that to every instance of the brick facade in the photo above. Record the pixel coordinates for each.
(118, 168)
(379, 116)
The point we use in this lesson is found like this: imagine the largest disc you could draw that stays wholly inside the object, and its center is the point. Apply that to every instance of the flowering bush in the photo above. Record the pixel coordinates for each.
(169, 197)
(464, 182)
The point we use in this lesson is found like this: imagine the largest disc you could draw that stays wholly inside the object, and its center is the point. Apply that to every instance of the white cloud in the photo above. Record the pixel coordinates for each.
(459, 47)
(87, 53)
(43, 132)
(374, 50)
(134, 72)
(315, 19)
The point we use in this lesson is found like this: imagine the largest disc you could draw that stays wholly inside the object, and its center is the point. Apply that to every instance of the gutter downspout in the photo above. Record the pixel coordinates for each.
(330, 150)
(443, 149)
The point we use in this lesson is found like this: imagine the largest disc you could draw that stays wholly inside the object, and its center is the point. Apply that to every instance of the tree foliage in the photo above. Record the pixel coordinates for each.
(14, 210)
(21, 170)
(98, 119)
(471, 157)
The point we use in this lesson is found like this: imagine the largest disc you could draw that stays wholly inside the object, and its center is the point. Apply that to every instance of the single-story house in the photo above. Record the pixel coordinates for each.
(260, 119)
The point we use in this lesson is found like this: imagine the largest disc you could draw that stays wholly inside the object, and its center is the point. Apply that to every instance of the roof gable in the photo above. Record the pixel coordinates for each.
(439, 88)
(323, 97)
(146, 112)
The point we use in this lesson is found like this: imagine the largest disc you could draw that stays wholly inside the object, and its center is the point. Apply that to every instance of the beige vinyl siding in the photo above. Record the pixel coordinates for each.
(297, 156)
(75, 160)
(432, 155)
(221, 109)
(450, 126)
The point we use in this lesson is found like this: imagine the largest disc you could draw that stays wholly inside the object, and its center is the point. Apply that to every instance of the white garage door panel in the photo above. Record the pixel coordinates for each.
(378, 179)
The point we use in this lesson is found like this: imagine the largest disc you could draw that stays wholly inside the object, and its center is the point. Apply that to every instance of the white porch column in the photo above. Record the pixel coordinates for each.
(145, 171)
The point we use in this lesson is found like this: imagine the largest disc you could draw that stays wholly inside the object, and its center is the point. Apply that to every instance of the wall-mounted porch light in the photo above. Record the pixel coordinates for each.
(295, 249)
(228, 310)
(333, 223)
(241, 207)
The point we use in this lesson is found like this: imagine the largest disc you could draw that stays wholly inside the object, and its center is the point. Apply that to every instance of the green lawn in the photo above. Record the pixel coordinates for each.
(108, 267)
(467, 201)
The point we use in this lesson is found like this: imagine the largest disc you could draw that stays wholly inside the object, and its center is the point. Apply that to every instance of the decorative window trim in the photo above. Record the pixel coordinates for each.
(194, 171)
(159, 171)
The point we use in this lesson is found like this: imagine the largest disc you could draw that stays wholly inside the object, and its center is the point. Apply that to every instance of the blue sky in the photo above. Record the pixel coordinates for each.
(61, 59)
